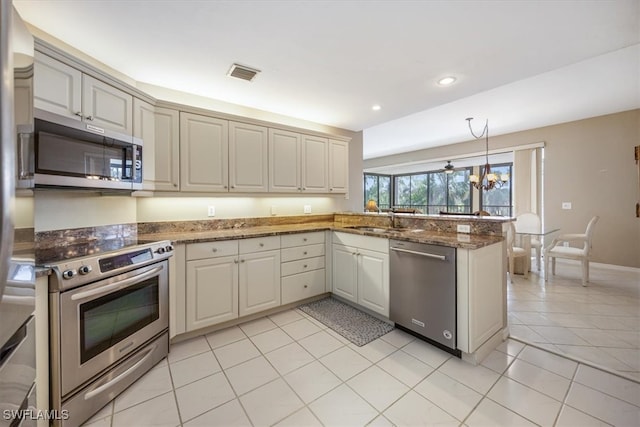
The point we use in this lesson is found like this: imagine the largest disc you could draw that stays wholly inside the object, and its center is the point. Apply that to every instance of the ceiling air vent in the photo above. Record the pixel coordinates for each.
(241, 72)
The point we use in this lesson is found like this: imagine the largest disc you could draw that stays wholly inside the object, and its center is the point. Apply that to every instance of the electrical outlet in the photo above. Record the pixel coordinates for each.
(566, 205)
(307, 209)
(464, 228)
(211, 211)
(274, 210)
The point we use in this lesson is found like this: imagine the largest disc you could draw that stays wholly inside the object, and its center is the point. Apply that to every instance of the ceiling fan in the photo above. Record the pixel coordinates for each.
(449, 167)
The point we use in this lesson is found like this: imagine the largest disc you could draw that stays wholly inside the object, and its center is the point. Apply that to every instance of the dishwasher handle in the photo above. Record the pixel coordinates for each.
(425, 254)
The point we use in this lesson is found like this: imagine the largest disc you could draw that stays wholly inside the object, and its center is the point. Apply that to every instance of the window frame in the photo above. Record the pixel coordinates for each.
(377, 175)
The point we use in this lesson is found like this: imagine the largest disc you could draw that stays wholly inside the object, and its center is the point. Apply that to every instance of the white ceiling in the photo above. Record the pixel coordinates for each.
(521, 64)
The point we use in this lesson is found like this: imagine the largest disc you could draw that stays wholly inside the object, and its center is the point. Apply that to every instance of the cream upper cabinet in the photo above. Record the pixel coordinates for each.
(248, 158)
(297, 163)
(167, 150)
(64, 90)
(338, 166)
(105, 106)
(284, 161)
(315, 164)
(204, 153)
(144, 128)
(57, 87)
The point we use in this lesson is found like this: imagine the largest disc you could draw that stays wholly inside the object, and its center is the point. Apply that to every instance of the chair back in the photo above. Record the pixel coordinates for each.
(589, 232)
(511, 237)
(529, 223)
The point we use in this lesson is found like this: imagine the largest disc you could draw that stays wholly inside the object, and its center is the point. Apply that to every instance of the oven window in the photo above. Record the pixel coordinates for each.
(106, 321)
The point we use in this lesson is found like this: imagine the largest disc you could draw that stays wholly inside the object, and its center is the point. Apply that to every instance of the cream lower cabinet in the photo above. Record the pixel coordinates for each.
(259, 280)
(211, 283)
(481, 295)
(361, 270)
(303, 266)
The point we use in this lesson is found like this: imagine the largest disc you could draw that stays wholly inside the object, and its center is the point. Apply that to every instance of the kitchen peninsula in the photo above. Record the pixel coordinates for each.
(215, 263)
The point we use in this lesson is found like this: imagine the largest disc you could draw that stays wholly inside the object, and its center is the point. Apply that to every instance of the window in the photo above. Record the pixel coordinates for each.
(378, 188)
(498, 201)
(432, 192)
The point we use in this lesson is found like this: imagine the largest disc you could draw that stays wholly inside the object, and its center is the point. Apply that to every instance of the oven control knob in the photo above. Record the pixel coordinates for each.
(169, 248)
(160, 250)
(85, 269)
(68, 274)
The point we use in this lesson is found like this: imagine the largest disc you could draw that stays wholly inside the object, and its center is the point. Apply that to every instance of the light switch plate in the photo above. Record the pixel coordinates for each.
(566, 205)
(307, 209)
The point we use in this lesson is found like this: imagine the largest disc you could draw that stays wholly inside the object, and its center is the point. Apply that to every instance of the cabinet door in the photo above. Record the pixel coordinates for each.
(259, 282)
(204, 153)
(212, 291)
(167, 150)
(373, 281)
(315, 164)
(57, 87)
(345, 272)
(105, 106)
(284, 161)
(338, 166)
(248, 158)
(144, 128)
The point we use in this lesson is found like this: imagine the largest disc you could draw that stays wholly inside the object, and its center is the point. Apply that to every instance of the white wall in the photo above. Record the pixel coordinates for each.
(154, 209)
(59, 210)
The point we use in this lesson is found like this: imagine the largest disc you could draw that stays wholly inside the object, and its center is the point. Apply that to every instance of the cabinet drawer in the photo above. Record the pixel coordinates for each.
(303, 285)
(259, 244)
(300, 266)
(211, 249)
(299, 239)
(302, 252)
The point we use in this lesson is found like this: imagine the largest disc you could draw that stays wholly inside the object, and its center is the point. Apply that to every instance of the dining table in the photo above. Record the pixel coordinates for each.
(524, 235)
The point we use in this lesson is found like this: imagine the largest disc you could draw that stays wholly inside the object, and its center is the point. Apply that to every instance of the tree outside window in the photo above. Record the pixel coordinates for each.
(498, 201)
(378, 188)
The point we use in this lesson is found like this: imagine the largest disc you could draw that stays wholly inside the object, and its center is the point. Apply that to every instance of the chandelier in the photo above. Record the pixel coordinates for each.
(488, 180)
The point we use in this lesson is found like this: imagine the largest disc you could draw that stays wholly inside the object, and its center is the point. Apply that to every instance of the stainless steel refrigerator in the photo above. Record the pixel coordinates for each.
(17, 278)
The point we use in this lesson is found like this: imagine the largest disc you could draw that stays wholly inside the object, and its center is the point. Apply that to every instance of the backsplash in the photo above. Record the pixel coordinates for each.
(77, 242)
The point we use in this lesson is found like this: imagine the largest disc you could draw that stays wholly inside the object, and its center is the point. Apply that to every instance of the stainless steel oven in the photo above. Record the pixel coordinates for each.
(109, 324)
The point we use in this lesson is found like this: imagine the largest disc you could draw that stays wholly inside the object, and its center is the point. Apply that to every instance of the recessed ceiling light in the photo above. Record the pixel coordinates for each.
(446, 81)
(376, 107)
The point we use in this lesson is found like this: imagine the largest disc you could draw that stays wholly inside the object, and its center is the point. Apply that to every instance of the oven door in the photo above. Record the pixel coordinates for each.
(103, 322)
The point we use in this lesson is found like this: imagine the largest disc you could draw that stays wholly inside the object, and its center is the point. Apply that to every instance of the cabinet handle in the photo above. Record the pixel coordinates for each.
(78, 113)
(224, 186)
(235, 261)
(304, 266)
(241, 260)
(233, 186)
(304, 253)
(214, 250)
(304, 240)
(175, 185)
(261, 245)
(304, 188)
(306, 286)
(299, 189)
(354, 253)
(89, 118)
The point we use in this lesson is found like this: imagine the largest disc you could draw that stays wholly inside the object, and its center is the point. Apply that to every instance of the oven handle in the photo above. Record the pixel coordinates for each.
(122, 376)
(117, 285)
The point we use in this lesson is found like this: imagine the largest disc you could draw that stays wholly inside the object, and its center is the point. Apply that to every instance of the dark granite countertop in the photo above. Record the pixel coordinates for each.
(467, 241)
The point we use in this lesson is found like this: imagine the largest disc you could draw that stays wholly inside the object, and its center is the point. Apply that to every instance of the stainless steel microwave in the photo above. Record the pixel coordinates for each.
(73, 154)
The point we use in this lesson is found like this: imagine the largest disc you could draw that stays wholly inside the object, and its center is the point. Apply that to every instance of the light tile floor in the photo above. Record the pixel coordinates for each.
(599, 323)
(289, 370)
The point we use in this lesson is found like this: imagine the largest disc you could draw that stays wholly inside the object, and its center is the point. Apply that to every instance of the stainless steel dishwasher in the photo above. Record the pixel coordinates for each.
(423, 291)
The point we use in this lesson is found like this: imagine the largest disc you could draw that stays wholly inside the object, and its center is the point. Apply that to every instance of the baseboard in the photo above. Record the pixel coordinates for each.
(599, 265)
